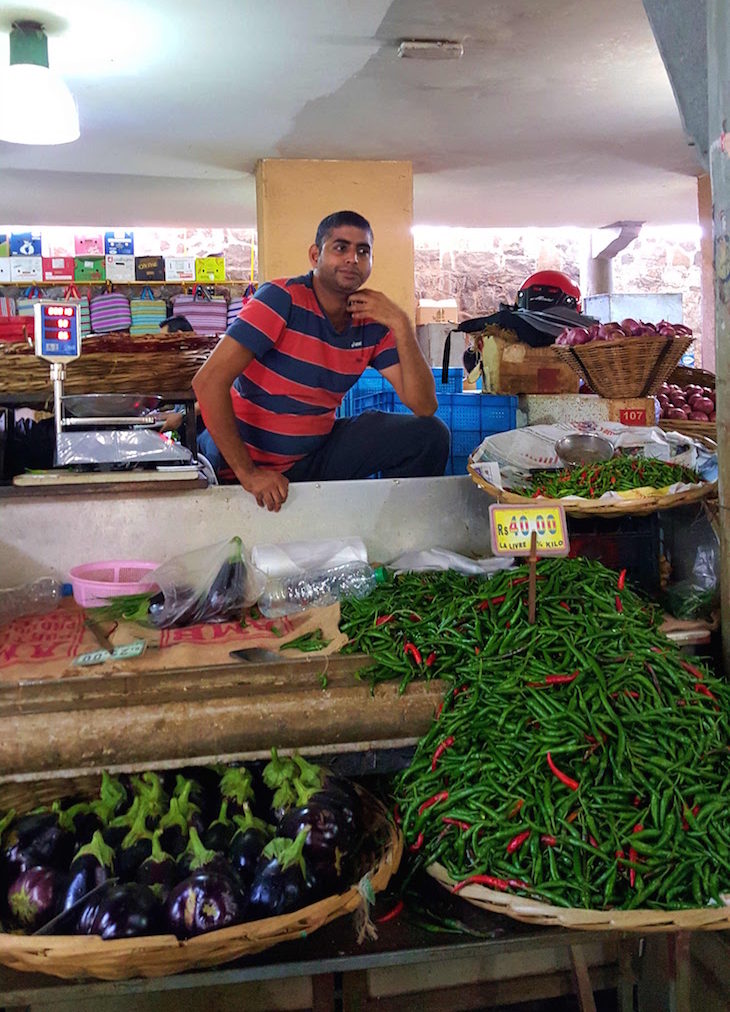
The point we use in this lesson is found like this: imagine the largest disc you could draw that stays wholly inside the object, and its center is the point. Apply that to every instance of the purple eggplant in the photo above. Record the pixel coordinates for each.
(136, 846)
(34, 897)
(328, 839)
(92, 865)
(236, 788)
(149, 789)
(204, 902)
(118, 827)
(282, 882)
(219, 833)
(125, 911)
(174, 828)
(198, 858)
(37, 839)
(248, 842)
(158, 871)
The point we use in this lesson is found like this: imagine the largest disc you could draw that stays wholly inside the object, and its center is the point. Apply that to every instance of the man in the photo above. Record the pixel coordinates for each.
(269, 391)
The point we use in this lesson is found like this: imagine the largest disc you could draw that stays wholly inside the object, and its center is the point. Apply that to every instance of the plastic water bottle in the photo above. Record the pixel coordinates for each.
(36, 598)
(284, 595)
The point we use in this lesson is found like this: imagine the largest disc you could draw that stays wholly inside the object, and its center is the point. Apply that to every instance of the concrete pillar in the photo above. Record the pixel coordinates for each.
(293, 195)
(707, 274)
(718, 51)
(598, 276)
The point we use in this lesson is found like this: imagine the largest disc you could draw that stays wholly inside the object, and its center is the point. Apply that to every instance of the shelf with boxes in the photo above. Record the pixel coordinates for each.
(470, 417)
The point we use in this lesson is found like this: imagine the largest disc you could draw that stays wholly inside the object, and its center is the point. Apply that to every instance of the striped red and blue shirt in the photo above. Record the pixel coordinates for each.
(285, 400)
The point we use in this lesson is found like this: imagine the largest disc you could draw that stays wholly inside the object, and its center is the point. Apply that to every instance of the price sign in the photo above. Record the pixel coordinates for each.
(512, 528)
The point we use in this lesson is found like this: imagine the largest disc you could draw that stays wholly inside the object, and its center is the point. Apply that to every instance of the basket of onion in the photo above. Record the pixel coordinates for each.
(687, 408)
(627, 359)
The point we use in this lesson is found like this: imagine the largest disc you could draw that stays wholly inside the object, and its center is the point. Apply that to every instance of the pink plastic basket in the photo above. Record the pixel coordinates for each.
(94, 582)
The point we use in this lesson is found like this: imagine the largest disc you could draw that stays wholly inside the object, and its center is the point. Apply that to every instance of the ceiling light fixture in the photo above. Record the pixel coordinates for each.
(36, 106)
(430, 49)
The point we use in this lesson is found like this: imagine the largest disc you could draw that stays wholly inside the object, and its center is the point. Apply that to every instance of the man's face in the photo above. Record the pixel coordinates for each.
(345, 261)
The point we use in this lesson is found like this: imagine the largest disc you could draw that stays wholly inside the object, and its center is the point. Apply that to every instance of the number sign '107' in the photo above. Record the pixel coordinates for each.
(512, 528)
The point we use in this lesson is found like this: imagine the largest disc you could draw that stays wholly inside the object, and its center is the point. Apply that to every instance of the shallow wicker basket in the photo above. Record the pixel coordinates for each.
(626, 366)
(163, 363)
(685, 374)
(695, 430)
(638, 506)
(76, 956)
(530, 911)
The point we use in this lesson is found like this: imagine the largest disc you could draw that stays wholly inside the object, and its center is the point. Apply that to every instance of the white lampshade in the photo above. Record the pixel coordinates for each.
(36, 106)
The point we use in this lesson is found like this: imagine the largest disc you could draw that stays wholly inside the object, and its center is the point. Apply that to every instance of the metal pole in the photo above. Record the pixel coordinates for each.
(718, 81)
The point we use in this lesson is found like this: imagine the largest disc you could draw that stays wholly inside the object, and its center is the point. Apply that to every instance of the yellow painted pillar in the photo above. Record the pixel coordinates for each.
(293, 195)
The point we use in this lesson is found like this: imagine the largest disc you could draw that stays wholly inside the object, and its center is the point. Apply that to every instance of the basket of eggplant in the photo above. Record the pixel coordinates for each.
(150, 874)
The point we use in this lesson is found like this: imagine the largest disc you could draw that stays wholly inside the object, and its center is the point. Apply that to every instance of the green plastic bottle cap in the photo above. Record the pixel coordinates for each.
(380, 575)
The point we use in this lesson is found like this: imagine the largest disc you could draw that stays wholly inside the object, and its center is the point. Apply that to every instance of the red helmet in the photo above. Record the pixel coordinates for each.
(548, 288)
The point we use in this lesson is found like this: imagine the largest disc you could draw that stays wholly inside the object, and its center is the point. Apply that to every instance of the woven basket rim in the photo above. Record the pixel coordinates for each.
(160, 955)
(638, 506)
(529, 911)
(606, 365)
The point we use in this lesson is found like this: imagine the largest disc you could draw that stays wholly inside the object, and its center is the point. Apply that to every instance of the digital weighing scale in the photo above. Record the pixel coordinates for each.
(94, 446)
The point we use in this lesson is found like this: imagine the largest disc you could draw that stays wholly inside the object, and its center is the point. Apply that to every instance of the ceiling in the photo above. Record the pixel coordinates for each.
(560, 112)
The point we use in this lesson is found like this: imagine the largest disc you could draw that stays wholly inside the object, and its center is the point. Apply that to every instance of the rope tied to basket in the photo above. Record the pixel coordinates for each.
(363, 922)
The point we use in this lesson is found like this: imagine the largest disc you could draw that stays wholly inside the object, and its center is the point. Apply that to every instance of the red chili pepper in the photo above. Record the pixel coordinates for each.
(430, 659)
(573, 816)
(619, 605)
(517, 841)
(413, 617)
(430, 802)
(494, 883)
(477, 651)
(508, 625)
(517, 808)
(456, 822)
(439, 708)
(493, 601)
(564, 604)
(562, 777)
(618, 854)
(632, 871)
(382, 619)
(396, 814)
(658, 650)
(548, 840)
(699, 675)
(461, 689)
(412, 649)
(636, 801)
(392, 914)
(621, 579)
(446, 743)
(593, 842)
(561, 679)
(702, 688)
(632, 692)
(418, 844)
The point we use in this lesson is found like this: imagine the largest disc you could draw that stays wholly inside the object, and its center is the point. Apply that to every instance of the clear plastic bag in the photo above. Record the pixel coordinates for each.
(210, 584)
(694, 550)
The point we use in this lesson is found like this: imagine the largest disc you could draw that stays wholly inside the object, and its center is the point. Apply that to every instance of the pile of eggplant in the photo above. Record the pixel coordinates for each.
(185, 852)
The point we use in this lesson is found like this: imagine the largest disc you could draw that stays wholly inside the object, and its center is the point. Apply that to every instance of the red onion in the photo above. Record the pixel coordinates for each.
(698, 416)
(676, 413)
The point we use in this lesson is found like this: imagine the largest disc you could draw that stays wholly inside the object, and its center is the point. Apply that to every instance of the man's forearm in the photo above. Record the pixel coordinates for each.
(419, 389)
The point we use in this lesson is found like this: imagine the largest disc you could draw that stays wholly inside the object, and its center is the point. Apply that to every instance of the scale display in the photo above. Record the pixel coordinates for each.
(512, 527)
(57, 330)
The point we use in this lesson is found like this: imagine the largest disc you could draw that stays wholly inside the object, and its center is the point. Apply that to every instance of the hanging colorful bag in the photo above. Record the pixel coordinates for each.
(206, 315)
(15, 329)
(24, 305)
(110, 312)
(7, 305)
(147, 313)
(236, 305)
(72, 293)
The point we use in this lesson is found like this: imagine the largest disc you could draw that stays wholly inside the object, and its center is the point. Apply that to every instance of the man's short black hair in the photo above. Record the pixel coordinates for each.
(333, 221)
(175, 324)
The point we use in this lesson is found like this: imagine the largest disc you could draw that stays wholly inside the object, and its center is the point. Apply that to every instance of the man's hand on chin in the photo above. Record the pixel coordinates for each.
(367, 304)
(270, 488)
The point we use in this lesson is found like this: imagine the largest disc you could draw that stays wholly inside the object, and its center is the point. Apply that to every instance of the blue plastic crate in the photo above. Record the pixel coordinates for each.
(454, 383)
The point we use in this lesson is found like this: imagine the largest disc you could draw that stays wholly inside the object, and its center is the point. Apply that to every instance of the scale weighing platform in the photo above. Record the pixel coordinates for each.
(95, 447)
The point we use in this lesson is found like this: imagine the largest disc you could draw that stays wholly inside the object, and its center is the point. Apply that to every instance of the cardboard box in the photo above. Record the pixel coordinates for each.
(89, 244)
(121, 243)
(179, 268)
(437, 311)
(4, 245)
(90, 268)
(149, 268)
(58, 268)
(120, 267)
(4, 268)
(515, 368)
(210, 269)
(26, 268)
(548, 409)
(25, 244)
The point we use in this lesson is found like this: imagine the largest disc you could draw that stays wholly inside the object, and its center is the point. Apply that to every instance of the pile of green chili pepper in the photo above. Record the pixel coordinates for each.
(583, 761)
(620, 474)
